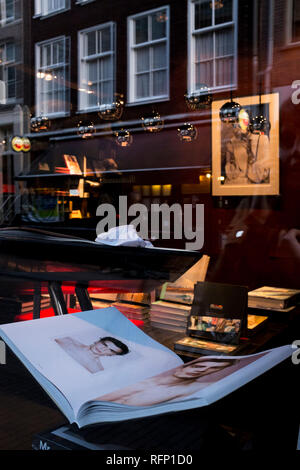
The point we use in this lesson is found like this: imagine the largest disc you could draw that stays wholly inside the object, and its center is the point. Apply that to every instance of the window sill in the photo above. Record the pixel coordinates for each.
(55, 115)
(49, 15)
(4, 24)
(82, 3)
(148, 101)
(290, 46)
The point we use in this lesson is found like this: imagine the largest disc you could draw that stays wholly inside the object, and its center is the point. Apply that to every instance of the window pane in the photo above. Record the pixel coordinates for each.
(107, 92)
(105, 40)
(204, 47)
(224, 14)
(203, 14)
(224, 73)
(204, 74)
(107, 68)
(158, 21)
(92, 71)
(224, 42)
(296, 21)
(159, 83)
(91, 43)
(10, 52)
(61, 52)
(159, 56)
(143, 59)
(141, 30)
(142, 85)
(93, 95)
(9, 8)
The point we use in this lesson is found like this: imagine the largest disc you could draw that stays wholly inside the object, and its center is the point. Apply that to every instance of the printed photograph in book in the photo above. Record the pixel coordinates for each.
(226, 330)
(245, 160)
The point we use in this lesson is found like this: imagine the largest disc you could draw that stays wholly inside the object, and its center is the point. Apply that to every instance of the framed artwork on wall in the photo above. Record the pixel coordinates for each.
(246, 163)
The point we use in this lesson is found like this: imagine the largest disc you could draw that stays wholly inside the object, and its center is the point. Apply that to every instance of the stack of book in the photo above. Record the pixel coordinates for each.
(273, 298)
(11, 308)
(173, 308)
(169, 315)
(135, 306)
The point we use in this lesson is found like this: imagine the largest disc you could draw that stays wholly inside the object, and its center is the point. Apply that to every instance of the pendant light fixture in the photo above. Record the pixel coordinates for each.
(259, 124)
(187, 132)
(152, 123)
(85, 129)
(114, 110)
(200, 99)
(123, 138)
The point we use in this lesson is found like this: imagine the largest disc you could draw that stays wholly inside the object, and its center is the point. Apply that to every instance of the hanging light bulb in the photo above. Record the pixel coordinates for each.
(259, 125)
(112, 111)
(85, 129)
(123, 138)
(39, 124)
(187, 132)
(152, 123)
(229, 112)
(200, 99)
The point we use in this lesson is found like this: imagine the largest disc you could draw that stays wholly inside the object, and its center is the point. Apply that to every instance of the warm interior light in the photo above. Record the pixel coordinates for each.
(208, 175)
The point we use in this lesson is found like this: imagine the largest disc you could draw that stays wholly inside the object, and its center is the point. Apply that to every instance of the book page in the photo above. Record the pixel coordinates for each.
(66, 350)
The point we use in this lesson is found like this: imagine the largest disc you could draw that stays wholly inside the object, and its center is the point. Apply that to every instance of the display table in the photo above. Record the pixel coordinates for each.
(262, 413)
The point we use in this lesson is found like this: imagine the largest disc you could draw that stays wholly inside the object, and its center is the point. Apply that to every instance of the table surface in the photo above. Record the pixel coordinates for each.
(26, 410)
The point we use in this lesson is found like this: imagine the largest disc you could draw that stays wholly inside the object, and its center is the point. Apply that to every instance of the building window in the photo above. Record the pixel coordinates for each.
(52, 71)
(9, 57)
(293, 21)
(212, 44)
(149, 55)
(96, 66)
(9, 11)
(49, 7)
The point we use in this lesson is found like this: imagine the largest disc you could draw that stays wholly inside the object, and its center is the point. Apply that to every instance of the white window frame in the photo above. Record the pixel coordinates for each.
(65, 64)
(41, 8)
(83, 2)
(191, 47)
(131, 92)
(10, 19)
(289, 25)
(9, 63)
(82, 106)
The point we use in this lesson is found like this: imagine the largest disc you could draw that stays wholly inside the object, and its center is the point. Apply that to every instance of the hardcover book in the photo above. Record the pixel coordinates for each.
(273, 298)
(98, 367)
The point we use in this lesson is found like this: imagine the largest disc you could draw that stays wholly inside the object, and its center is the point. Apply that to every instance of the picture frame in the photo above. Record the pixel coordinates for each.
(243, 163)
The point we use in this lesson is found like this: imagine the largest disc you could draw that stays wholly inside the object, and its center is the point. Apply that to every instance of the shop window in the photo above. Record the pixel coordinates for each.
(96, 66)
(9, 58)
(212, 44)
(52, 70)
(149, 55)
(9, 11)
(50, 7)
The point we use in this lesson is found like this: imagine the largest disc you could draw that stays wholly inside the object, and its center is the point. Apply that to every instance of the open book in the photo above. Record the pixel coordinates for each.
(98, 367)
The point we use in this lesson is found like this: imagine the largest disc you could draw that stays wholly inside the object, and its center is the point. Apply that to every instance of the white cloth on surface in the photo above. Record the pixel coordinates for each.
(124, 235)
